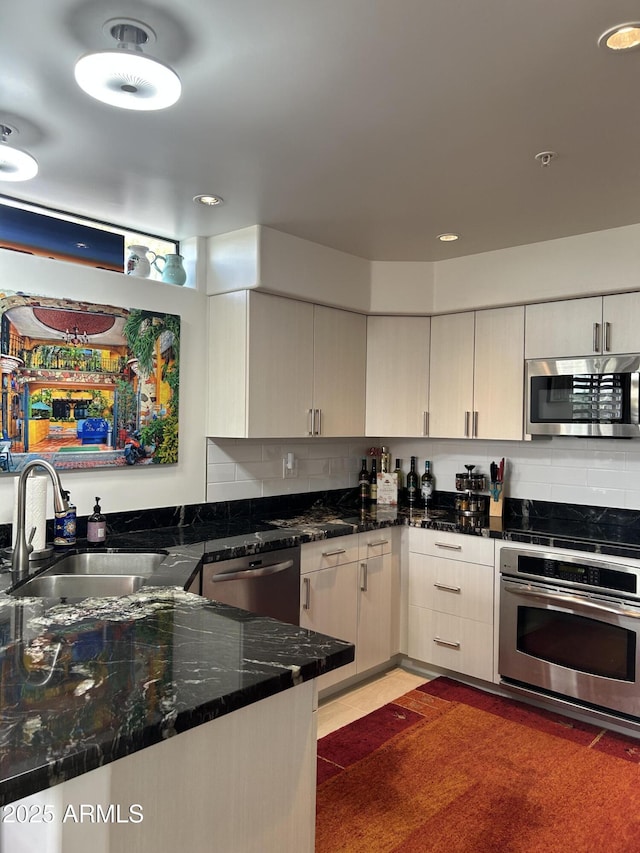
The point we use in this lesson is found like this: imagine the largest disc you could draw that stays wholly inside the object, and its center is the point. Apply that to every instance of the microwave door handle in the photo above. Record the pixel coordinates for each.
(569, 599)
(247, 574)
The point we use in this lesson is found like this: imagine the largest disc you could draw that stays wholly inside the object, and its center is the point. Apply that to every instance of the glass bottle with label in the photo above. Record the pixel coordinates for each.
(427, 484)
(400, 475)
(385, 461)
(363, 483)
(413, 489)
(373, 488)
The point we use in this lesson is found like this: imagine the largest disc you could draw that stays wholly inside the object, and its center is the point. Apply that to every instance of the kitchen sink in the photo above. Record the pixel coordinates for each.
(127, 563)
(79, 585)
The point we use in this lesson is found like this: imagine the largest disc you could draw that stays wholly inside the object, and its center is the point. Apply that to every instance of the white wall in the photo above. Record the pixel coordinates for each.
(598, 472)
(131, 487)
(600, 262)
(246, 468)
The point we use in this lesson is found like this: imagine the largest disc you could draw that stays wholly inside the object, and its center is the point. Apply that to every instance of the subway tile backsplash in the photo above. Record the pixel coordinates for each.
(244, 468)
(596, 472)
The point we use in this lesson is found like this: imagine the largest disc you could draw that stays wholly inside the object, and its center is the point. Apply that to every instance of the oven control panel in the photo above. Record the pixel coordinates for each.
(571, 569)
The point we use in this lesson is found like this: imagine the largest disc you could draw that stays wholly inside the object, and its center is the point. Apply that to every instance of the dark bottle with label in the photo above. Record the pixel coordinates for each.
(96, 525)
(373, 490)
(363, 483)
(428, 484)
(413, 486)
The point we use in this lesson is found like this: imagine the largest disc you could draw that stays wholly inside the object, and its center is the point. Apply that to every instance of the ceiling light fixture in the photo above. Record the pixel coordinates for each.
(209, 200)
(126, 77)
(621, 38)
(15, 164)
(448, 237)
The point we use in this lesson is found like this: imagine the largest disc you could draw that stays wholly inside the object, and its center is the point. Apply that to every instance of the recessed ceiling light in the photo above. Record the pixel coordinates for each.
(209, 200)
(448, 238)
(621, 38)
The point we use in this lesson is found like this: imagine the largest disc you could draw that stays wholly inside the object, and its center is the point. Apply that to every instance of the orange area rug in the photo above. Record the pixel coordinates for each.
(451, 769)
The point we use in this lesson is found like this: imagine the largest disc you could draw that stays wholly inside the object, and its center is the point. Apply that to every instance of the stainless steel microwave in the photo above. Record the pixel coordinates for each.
(597, 396)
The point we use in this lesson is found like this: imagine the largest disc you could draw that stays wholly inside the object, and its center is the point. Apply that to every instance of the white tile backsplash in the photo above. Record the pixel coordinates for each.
(244, 468)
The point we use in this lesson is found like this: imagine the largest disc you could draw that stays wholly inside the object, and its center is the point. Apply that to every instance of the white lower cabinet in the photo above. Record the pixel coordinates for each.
(450, 598)
(346, 592)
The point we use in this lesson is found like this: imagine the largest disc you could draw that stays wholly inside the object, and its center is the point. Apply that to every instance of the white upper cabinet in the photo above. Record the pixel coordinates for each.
(397, 376)
(477, 374)
(340, 355)
(281, 368)
(582, 327)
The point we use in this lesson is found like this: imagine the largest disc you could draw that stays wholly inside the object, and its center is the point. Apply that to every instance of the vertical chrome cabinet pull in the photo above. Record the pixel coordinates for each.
(474, 429)
(365, 578)
(596, 337)
(311, 421)
(607, 337)
(466, 424)
(425, 423)
(306, 582)
(319, 423)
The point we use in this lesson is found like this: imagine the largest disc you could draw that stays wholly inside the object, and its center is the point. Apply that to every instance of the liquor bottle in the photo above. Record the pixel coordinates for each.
(385, 461)
(363, 483)
(400, 475)
(373, 488)
(428, 484)
(412, 484)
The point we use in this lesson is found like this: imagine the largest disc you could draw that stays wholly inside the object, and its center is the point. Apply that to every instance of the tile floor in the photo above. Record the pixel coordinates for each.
(343, 708)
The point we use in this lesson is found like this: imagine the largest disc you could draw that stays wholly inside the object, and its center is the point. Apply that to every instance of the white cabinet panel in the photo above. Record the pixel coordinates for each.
(450, 586)
(455, 546)
(451, 376)
(374, 614)
(461, 645)
(397, 376)
(621, 321)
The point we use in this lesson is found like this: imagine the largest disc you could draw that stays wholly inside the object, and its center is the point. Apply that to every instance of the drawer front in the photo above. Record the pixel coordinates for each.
(453, 546)
(327, 553)
(451, 586)
(374, 543)
(450, 642)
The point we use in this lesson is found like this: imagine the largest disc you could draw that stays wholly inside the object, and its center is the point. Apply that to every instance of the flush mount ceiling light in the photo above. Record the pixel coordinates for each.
(448, 237)
(208, 200)
(126, 77)
(621, 38)
(15, 164)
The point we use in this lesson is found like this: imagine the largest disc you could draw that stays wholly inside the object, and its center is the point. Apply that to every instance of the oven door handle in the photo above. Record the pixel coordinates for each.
(569, 599)
(247, 574)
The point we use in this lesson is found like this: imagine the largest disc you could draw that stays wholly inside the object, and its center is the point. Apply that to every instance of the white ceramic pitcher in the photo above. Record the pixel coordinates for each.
(138, 261)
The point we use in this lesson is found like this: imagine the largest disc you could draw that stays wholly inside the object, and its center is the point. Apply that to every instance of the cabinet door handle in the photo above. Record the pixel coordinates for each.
(425, 423)
(306, 582)
(474, 428)
(448, 547)
(448, 643)
(376, 544)
(312, 421)
(448, 588)
(319, 424)
(607, 337)
(334, 553)
(365, 577)
(596, 337)
(466, 424)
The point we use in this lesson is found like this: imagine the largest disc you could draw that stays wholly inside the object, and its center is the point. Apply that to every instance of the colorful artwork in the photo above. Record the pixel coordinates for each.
(87, 386)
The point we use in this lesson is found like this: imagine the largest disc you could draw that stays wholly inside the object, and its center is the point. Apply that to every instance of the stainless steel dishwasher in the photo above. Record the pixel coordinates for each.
(267, 584)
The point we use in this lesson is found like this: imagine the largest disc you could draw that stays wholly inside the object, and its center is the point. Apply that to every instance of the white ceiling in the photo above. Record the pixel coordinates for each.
(367, 125)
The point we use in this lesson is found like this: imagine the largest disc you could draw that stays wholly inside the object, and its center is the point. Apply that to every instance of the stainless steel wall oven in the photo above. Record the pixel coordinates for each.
(569, 629)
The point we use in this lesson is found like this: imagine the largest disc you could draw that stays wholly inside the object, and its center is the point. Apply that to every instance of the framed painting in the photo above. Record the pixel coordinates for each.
(87, 385)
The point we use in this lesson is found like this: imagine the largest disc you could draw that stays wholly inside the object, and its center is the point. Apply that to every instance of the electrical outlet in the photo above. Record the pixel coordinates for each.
(289, 473)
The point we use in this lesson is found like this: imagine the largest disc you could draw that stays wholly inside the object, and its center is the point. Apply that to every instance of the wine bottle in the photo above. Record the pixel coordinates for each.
(427, 484)
(412, 484)
(400, 479)
(385, 461)
(363, 483)
(373, 482)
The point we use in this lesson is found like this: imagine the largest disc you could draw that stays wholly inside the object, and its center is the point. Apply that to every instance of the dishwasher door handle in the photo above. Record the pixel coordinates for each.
(262, 572)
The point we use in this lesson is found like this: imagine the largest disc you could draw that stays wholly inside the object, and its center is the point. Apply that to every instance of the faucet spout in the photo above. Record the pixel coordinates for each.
(22, 544)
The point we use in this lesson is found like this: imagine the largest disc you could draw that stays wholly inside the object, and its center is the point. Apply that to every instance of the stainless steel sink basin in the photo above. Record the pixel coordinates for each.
(142, 563)
(79, 586)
